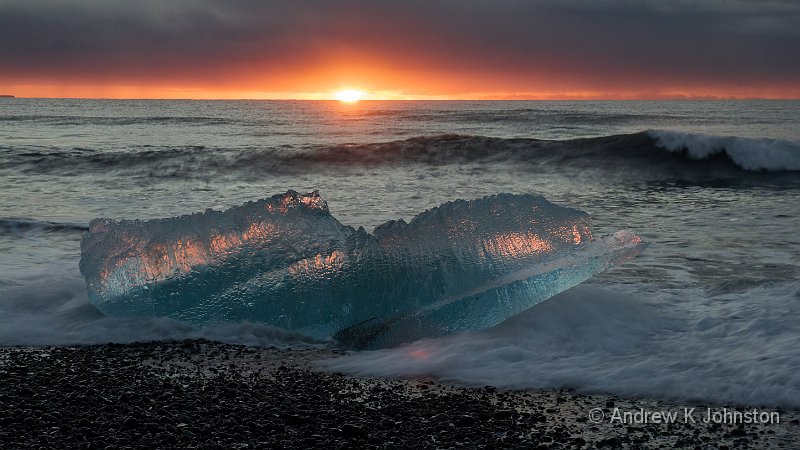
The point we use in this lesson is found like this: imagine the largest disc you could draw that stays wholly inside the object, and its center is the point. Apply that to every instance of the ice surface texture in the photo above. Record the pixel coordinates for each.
(287, 262)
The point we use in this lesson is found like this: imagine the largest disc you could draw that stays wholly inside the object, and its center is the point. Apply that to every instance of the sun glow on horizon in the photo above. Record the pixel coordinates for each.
(349, 95)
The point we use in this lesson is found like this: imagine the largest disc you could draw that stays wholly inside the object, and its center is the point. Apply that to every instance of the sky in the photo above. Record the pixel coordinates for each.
(394, 49)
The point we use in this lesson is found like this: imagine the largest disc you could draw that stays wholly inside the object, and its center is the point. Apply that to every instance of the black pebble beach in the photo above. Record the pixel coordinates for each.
(199, 394)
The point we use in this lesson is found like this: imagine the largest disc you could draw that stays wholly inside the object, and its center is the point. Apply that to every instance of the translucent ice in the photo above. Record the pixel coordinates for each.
(287, 262)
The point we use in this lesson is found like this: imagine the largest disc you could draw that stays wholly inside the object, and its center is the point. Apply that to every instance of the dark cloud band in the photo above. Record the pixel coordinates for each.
(610, 42)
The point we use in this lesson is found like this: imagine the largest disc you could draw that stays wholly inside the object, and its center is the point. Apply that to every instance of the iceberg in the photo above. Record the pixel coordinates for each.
(287, 262)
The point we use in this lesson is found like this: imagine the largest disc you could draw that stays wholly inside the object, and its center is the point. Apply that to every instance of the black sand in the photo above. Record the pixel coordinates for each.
(199, 394)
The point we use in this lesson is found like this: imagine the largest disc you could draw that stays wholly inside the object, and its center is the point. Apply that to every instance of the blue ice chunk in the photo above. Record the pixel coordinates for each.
(286, 261)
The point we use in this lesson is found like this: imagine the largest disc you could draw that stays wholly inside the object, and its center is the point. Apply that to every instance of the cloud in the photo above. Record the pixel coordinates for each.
(503, 44)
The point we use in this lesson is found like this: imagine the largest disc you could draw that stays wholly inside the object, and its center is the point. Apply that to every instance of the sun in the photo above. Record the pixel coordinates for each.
(349, 95)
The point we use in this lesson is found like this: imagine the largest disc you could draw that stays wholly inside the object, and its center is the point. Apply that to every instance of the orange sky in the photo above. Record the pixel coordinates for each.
(278, 49)
(160, 91)
(379, 81)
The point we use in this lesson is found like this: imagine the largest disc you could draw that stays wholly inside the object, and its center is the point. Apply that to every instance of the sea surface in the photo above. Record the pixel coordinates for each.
(709, 312)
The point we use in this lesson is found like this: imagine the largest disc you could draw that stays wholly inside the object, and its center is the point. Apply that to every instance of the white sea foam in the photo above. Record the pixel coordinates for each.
(737, 348)
(51, 308)
(754, 154)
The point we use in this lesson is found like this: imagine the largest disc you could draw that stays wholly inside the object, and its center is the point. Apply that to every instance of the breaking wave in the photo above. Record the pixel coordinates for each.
(768, 155)
(657, 152)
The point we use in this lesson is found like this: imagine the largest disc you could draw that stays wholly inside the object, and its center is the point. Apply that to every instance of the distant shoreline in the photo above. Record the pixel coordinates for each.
(6, 96)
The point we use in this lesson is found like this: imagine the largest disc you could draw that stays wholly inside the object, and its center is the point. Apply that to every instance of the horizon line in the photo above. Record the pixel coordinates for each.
(566, 99)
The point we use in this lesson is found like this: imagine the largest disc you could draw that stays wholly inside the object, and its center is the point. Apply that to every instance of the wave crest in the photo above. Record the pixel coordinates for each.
(753, 154)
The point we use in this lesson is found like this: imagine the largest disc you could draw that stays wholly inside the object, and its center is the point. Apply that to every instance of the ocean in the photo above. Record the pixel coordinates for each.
(709, 312)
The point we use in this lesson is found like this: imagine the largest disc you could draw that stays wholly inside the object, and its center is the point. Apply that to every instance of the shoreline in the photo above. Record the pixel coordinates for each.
(205, 394)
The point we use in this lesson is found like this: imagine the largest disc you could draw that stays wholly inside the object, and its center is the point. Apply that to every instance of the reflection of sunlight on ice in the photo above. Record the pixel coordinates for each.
(161, 260)
(334, 261)
(517, 244)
